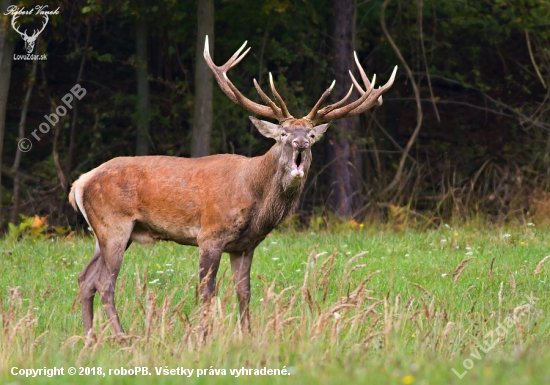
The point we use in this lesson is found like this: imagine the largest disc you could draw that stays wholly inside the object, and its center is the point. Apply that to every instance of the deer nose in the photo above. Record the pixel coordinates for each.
(300, 144)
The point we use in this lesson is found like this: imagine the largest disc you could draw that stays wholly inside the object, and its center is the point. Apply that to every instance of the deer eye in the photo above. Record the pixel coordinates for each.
(312, 135)
(283, 134)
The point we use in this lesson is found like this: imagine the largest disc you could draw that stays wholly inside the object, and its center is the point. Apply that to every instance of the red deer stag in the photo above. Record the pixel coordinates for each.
(220, 203)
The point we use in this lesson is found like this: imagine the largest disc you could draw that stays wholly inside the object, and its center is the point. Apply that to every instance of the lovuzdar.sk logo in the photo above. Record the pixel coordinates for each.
(39, 10)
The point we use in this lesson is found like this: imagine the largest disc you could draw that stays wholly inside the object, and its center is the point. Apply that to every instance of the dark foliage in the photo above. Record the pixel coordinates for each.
(487, 153)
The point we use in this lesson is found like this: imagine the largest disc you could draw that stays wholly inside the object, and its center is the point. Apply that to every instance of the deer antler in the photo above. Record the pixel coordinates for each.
(270, 111)
(369, 98)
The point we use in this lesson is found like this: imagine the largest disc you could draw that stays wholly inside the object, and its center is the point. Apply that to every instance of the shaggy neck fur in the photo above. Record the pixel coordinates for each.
(276, 188)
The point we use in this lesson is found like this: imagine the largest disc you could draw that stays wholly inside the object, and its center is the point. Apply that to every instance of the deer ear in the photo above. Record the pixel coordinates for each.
(267, 129)
(320, 130)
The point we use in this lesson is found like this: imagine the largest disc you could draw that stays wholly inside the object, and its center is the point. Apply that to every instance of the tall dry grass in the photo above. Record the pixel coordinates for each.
(359, 321)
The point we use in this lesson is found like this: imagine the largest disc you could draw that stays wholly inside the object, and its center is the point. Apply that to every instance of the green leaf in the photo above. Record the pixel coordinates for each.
(105, 58)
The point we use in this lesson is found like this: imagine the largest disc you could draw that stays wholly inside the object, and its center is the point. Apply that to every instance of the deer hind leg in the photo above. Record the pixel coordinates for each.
(240, 267)
(101, 273)
(86, 282)
(110, 264)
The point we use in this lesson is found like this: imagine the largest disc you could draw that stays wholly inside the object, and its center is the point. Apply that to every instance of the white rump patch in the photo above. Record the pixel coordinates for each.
(78, 199)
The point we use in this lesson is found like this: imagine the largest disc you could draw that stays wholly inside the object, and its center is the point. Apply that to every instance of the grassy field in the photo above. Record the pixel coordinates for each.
(367, 305)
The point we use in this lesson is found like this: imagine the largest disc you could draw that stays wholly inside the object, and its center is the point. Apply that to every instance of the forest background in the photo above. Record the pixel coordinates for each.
(463, 132)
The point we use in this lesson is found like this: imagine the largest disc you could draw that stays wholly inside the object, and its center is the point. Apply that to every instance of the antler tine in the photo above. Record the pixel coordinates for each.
(361, 72)
(313, 112)
(376, 97)
(372, 100)
(339, 103)
(369, 97)
(363, 77)
(315, 115)
(353, 105)
(266, 98)
(232, 60)
(337, 113)
(356, 84)
(280, 100)
(238, 60)
(219, 71)
(232, 92)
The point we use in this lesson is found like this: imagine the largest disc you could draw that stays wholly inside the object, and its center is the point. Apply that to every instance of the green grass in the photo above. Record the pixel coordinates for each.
(387, 331)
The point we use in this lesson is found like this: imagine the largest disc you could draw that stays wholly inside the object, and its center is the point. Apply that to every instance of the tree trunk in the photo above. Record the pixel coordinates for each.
(202, 117)
(69, 163)
(144, 108)
(7, 46)
(22, 122)
(343, 154)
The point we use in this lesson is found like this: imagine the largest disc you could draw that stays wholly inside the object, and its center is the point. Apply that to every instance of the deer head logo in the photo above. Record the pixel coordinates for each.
(29, 40)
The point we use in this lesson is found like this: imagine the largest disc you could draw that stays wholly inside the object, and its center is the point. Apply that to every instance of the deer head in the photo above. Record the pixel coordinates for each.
(296, 136)
(29, 40)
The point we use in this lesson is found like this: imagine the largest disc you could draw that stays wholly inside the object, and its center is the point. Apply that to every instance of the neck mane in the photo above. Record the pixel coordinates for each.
(278, 196)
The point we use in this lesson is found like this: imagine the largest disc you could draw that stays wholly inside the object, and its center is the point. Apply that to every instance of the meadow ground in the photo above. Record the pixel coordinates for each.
(464, 305)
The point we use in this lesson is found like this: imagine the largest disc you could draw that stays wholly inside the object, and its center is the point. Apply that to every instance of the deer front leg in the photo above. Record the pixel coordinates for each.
(209, 262)
(240, 267)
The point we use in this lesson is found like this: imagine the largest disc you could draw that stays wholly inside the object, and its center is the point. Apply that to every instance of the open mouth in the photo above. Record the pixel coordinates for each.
(298, 165)
(298, 160)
